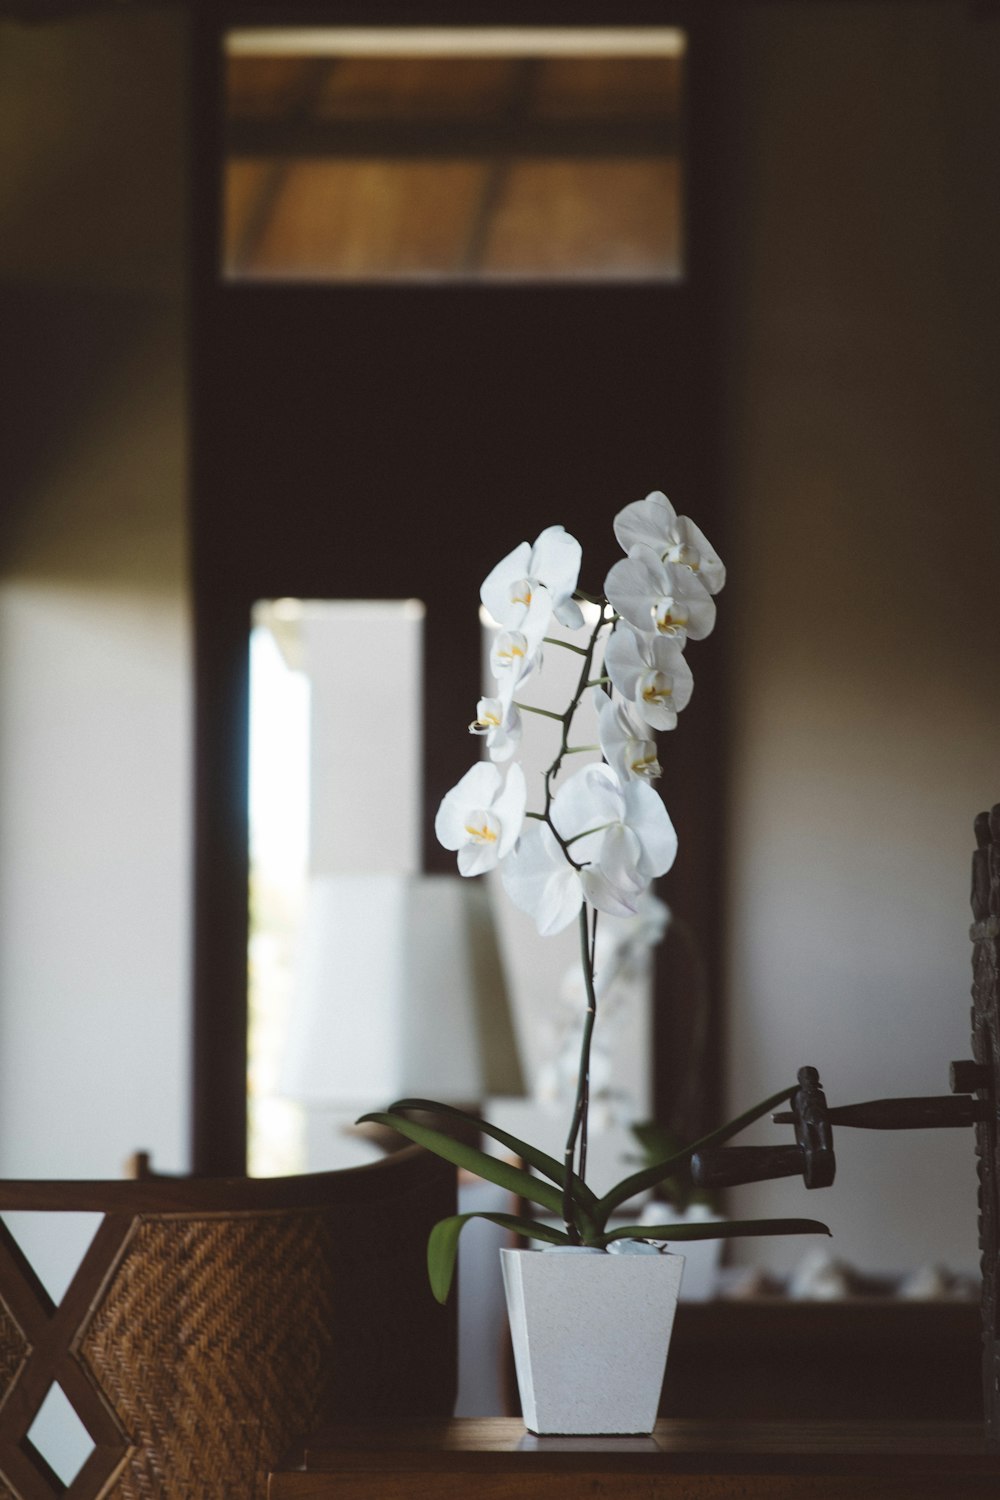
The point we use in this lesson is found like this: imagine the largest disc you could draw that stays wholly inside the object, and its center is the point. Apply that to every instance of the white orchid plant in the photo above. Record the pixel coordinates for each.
(592, 847)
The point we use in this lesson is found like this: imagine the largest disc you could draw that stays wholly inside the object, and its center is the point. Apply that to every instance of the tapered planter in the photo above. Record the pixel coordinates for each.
(590, 1334)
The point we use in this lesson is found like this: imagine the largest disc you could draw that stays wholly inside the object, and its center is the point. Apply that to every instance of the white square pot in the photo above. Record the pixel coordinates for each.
(590, 1334)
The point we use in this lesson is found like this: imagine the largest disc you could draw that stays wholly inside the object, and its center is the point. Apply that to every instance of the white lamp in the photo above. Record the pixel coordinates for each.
(399, 991)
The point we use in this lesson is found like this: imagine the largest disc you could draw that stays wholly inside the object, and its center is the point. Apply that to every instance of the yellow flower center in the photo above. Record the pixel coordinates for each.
(482, 831)
(669, 616)
(656, 688)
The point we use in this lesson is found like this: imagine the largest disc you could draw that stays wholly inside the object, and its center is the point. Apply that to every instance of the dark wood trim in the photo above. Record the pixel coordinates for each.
(221, 667)
(455, 139)
(387, 1179)
(496, 1459)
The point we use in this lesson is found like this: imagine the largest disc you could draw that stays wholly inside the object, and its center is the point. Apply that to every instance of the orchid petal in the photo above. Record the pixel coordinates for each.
(590, 799)
(477, 859)
(555, 562)
(645, 521)
(616, 900)
(495, 592)
(509, 808)
(613, 884)
(631, 587)
(648, 818)
(540, 881)
(690, 545)
(623, 659)
(625, 739)
(650, 671)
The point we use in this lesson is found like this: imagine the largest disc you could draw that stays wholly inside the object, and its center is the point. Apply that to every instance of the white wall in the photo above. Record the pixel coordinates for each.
(93, 879)
(94, 629)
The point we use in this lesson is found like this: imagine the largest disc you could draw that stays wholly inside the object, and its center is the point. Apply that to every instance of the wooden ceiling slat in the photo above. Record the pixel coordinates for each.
(341, 220)
(588, 218)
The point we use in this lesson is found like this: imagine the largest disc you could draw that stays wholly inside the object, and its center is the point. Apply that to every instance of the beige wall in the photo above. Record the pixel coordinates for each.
(94, 629)
(862, 613)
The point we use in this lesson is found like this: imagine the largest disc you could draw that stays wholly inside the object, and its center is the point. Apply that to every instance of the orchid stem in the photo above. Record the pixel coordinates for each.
(546, 713)
(587, 832)
(552, 640)
(578, 1125)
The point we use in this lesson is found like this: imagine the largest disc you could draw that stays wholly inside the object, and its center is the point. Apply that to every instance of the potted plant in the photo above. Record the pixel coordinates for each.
(590, 1325)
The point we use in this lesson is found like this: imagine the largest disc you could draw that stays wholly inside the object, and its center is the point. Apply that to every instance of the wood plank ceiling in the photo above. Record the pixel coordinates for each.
(358, 167)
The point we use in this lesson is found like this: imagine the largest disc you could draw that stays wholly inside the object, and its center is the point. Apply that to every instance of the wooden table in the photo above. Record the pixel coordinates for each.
(495, 1459)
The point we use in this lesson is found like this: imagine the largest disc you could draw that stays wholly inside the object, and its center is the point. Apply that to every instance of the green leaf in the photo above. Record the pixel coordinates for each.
(724, 1229)
(650, 1176)
(540, 1160)
(442, 1246)
(491, 1168)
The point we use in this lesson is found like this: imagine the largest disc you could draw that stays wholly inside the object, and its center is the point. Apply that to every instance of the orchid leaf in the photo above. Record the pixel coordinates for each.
(723, 1229)
(442, 1246)
(491, 1168)
(540, 1160)
(639, 1182)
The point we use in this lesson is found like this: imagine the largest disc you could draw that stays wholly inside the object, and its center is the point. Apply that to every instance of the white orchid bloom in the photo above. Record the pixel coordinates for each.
(660, 598)
(625, 739)
(540, 880)
(514, 654)
(542, 577)
(651, 672)
(481, 817)
(500, 721)
(619, 832)
(653, 522)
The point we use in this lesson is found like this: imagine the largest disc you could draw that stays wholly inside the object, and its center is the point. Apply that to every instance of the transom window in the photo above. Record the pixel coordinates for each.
(469, 153)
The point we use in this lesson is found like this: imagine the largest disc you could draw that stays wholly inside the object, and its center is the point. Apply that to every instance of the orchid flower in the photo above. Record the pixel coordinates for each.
(601, 836)
(500, 721)
(653, 522)
(615, 838)
(618, 832)
(651, 672)
(513, 656)
(662, 598)
(626, 743)
(542, 577)
(481, 817)
(540, 880)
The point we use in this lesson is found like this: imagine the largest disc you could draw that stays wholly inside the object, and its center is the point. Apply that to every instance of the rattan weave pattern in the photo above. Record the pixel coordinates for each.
(13, 1348)
(210, 1344)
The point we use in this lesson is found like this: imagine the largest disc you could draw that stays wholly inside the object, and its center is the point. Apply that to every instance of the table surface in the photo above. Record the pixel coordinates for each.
(495, 1459)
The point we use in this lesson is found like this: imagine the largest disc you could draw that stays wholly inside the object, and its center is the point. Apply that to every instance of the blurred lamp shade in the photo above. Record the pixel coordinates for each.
(399, 990)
